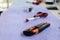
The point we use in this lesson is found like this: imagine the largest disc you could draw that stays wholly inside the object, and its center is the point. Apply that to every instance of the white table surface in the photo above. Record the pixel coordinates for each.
(12, 23)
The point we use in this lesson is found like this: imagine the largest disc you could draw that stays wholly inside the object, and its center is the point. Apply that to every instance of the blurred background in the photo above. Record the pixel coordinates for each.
(53, 5)
(4, 4)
